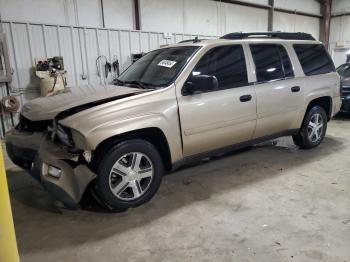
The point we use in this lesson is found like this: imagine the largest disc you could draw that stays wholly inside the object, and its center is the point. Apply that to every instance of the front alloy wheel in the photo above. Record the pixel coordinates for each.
(129, 175)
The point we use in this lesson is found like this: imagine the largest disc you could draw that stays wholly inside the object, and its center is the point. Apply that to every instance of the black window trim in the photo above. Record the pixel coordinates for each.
(184, 93)
(285, 49)
(280, 56)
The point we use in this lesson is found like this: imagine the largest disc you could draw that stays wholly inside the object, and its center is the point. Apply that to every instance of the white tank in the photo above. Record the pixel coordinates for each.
(51, 82)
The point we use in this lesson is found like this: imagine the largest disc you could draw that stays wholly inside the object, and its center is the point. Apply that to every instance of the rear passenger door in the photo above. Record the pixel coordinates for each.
(279, 93)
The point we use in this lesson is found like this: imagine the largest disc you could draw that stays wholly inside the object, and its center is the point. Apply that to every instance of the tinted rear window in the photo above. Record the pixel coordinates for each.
(314, 59)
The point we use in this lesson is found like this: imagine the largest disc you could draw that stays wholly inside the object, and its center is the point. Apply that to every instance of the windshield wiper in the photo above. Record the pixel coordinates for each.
(119, 82)
(134, 83)
(139, 84)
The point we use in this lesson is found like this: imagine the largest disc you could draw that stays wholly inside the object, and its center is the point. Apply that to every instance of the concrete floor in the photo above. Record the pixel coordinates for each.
(270, 203)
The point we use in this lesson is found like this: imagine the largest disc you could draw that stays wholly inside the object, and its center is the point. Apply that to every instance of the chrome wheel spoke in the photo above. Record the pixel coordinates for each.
(311, 135)
(127, 177)
(315, 128)
(120, 169)
(317, 118)
(120, 188)
(136, 189)
(136, 161)
(312, 125)
(144, 173)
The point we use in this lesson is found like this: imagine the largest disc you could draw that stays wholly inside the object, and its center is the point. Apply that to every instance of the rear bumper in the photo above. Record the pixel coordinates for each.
(41, 153)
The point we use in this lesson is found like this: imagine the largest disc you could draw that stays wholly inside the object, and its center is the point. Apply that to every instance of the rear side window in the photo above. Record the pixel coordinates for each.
(227, 64)
(314, 59)
(271, 62)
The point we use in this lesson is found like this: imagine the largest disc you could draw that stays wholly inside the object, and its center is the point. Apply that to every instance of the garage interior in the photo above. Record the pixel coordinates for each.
(269, 202)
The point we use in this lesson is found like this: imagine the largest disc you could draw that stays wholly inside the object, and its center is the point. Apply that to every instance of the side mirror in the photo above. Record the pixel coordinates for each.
(200, 84)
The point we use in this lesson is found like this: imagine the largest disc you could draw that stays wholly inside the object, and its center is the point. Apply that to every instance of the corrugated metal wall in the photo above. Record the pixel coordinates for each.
(79, 46)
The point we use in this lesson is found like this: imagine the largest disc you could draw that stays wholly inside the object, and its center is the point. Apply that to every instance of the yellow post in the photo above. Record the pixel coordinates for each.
(8, 244)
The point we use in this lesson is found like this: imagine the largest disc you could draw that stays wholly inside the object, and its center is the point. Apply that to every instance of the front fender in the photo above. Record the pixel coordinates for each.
(155, 109)
(168, 126)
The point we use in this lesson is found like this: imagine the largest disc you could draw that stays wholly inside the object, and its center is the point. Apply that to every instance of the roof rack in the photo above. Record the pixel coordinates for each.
(278, 34)
(195, 40)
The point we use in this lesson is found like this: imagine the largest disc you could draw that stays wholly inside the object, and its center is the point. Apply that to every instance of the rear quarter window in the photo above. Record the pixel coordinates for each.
(314, 59)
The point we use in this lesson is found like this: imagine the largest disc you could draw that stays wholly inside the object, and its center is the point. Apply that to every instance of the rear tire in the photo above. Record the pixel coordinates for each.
(129, 175)
(313, 129)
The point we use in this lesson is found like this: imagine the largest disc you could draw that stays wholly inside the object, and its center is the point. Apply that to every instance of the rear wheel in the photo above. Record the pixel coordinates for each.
(313, 129)
(129, 175)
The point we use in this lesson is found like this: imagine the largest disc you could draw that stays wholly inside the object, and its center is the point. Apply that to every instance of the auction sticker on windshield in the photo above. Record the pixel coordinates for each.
(167, 63)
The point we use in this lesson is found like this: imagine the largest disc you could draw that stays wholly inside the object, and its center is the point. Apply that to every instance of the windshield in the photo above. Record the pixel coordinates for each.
(344, 70)
(158, 68)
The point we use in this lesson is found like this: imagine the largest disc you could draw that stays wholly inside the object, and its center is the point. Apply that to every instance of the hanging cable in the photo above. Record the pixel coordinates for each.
(10, 104)
(115, 67)
(103, 68)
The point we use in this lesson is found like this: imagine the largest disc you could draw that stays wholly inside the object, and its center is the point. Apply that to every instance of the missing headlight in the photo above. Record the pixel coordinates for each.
(64, 136)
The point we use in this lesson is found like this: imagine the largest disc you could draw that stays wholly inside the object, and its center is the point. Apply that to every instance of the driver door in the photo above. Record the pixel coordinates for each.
(222, 117)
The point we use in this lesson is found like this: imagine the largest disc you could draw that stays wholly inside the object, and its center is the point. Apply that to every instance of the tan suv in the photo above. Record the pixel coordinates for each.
(177, 104)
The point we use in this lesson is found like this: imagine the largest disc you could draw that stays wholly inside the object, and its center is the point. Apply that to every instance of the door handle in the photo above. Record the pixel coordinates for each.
(295, 89)
(245, 98)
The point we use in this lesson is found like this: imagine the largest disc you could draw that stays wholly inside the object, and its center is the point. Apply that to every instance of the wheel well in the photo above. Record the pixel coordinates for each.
(325, 102)
(153, 135)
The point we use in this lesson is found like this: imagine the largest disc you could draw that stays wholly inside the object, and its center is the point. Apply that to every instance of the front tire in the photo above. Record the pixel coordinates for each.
(129, 175)
(313, 129)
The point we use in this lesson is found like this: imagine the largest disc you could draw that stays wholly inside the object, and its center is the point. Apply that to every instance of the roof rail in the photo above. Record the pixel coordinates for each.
(278, 34)
(195, 40)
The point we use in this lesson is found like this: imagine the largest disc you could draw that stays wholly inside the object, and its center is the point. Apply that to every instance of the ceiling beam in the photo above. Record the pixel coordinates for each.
(269, 7)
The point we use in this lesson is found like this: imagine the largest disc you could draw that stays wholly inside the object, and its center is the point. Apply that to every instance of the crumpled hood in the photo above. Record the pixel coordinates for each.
(45, 108)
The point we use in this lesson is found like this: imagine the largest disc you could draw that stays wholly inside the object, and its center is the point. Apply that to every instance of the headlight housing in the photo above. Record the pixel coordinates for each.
(79, 140)
(64, 136)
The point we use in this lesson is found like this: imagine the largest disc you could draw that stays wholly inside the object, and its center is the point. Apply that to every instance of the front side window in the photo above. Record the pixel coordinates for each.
(314, 59)
(226, 63)
(158, 68)
(271, 62)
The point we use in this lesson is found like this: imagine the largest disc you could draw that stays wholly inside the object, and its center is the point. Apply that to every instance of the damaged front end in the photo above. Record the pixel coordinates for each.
(46, 150)
(58, 156)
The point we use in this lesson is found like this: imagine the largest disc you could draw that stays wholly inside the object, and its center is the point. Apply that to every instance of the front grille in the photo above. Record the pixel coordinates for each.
(32, 126)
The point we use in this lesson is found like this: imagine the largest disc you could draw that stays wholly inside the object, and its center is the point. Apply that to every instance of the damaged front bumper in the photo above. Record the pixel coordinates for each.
(36, 153)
